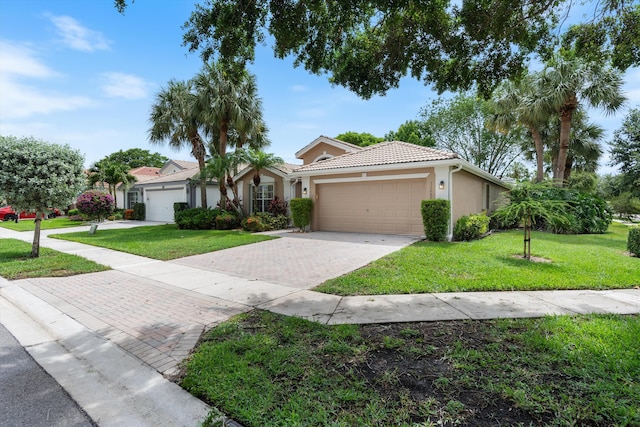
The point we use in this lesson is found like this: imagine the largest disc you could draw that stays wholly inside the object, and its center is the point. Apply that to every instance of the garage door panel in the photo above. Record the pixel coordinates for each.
(390, 207)
(160, 204)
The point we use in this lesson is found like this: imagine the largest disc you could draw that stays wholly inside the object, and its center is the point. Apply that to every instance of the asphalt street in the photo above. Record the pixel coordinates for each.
(28, 395)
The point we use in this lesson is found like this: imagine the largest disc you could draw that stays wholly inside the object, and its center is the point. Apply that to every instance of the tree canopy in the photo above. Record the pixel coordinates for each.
(362, 139)
(35, 176)
(625, 152)
(414, 132)
(135, 158)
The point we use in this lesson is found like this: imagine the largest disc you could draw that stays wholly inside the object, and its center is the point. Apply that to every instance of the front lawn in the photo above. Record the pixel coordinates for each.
(46, 224)
(592, 261)
(263, 369)
(16, 263)
(164, 242)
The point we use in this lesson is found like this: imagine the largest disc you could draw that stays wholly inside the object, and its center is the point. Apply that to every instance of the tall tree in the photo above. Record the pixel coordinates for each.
(228, 99)
(135, 158)
(361, 139)
(625, 152)
(514, 104)
(175, 118)
(566, 84)
(414, 132)
(459, 124)
(35, 176)
(259, 161)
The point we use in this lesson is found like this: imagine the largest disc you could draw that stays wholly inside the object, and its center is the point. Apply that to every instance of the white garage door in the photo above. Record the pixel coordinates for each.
(385, 207)
(159, 203)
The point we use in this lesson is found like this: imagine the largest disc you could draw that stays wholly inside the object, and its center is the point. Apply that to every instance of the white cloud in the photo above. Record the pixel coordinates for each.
(128, 86)
(20, 100)
(78, 37)
(298, 88)
(20, 60)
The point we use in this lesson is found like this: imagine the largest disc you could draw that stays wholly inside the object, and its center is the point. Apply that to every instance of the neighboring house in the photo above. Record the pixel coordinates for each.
(175, 182)
(127, 195)
(374, 189)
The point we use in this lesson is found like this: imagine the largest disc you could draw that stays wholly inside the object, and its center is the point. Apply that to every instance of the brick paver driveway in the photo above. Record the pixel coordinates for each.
(300, 260)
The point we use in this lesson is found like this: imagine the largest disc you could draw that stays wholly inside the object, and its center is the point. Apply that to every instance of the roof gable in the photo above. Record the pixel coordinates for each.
(384, 153)
(173, 166)
(330, 141)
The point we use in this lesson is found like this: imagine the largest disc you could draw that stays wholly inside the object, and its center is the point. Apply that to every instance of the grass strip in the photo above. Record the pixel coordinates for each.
(164, 242)
(263, 369)
(592, 261)
(16, 263)
(47, 224)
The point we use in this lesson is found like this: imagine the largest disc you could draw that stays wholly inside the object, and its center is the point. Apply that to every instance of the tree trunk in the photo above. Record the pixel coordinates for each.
(198, 151)
(222, 152)
(568, 168)
(256, 185)
(35, 247)
(539, 145)
(566, 114)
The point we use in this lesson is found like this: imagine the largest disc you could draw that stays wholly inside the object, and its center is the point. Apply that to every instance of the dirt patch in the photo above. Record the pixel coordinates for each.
(535, 259)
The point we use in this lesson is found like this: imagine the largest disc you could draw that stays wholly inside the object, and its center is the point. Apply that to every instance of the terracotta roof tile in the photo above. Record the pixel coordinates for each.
(385, 153)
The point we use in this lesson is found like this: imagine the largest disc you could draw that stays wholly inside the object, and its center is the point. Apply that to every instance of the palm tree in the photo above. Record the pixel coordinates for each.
(515, 104)
(175, 118)
(227, 100)
(564, 84)
(222, 168)
(259, 160)
(112, 174)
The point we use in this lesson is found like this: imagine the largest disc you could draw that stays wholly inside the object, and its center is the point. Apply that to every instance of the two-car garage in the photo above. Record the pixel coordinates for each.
(382, 205)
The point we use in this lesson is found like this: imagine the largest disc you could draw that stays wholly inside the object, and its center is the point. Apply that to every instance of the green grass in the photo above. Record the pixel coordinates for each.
(594, 261)
(164, 242)
(16, 263)
(48, 224)
(263, 369)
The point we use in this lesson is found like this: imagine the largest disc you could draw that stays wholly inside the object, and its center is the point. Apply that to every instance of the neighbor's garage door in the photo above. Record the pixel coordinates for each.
(386, 207)
(159, 203)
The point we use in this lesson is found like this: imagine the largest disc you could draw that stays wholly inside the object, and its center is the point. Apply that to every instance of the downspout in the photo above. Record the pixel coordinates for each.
(451, 172)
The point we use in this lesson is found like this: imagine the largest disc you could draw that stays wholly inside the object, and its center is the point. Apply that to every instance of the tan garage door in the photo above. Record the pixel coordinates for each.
(386, 207)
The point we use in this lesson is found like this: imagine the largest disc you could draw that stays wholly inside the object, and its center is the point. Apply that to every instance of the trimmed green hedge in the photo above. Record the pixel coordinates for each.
(471, 227)
(633, 241)
(301, 212)
(139, 212)
(435, 218)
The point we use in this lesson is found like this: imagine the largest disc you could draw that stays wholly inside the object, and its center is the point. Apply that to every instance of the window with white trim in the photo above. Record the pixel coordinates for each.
(133, 197)
(262, 197)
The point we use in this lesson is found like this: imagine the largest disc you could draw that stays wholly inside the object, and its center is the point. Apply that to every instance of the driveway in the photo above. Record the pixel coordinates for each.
(300, 260)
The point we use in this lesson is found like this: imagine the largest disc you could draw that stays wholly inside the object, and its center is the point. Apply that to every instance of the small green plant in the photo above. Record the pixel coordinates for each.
(179, 207)
(301, 212)
(633, 241)
(197, 218)
(226, 221)
(139, 212)
(471, 227)
(435, 217)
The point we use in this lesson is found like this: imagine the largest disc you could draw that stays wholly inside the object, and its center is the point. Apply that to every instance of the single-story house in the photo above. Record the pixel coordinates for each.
(374, 189)
(177, 181)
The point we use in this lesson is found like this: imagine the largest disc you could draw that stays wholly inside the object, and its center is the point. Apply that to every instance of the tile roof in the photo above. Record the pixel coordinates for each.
(144, 170)
(384, 153)
(182, 175)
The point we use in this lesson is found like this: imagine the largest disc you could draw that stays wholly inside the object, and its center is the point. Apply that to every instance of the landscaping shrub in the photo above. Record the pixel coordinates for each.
(128, 214)
(265, 221)
(95, 204)
(76, 217)
(178, 207)
(73, 212)
(139, 212)
(197, 218)
(633, 241)
(301, 212)
(435, 218)
(226, 221)
(278, 206)
(471, 227)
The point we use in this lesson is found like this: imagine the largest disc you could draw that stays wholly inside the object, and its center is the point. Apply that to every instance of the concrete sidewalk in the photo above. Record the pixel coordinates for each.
(147, 315)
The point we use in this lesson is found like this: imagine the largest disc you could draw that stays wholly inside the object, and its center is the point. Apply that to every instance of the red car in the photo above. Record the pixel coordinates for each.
(8, 214)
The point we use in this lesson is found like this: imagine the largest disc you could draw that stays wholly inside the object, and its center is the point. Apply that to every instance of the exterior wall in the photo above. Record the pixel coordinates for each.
(472, 195)
(320, 149)
(266, 177)
(213, 196)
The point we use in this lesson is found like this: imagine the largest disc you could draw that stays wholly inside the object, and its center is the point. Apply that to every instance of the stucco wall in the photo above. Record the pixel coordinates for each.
(320, 149)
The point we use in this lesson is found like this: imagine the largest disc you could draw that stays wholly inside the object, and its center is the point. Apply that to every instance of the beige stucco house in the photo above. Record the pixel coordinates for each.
(375, 189)
(379, 189)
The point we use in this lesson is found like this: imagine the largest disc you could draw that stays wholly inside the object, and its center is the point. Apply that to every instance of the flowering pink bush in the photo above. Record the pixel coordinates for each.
(96, 204)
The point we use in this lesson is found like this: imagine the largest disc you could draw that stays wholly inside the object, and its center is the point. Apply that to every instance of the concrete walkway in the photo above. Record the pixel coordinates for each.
(152, 313)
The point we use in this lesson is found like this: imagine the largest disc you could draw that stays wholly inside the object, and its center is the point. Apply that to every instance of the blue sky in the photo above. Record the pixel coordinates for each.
(80, 73)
